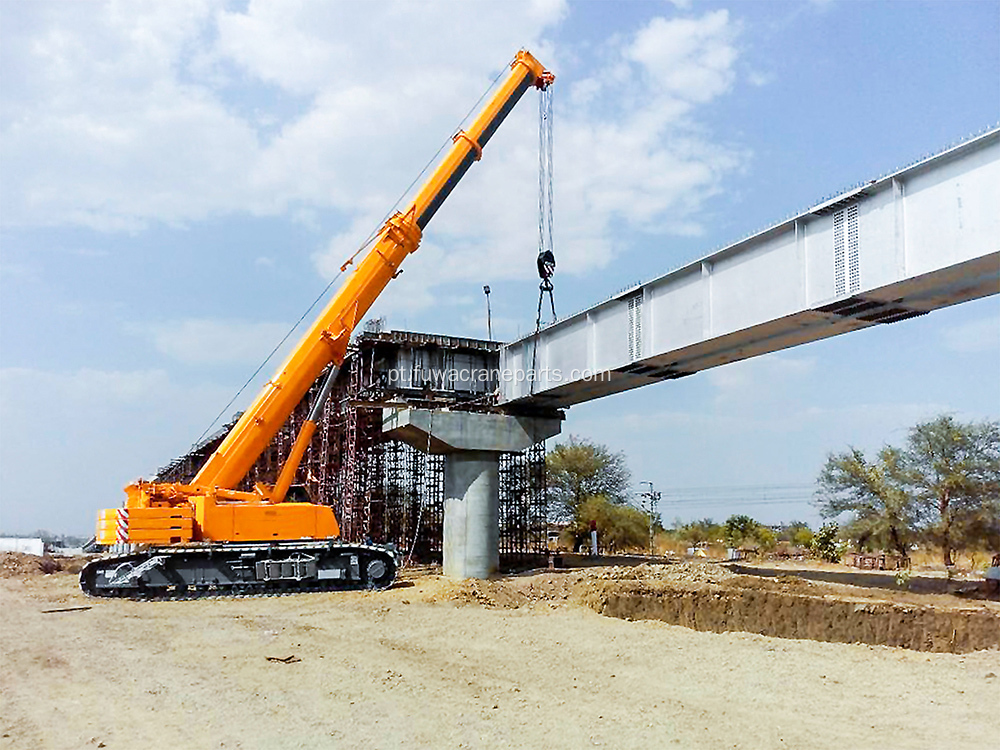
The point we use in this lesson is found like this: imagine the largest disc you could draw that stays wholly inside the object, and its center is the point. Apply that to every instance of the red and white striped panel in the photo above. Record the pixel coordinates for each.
(121, 530)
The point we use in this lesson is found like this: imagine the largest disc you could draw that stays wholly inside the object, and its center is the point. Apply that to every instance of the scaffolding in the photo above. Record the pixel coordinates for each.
(383, 490)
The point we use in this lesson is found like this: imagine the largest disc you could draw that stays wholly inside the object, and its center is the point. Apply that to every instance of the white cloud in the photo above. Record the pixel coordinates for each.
(308, 47)
(19, 272)
(689, 58)
(214, 342)
(128, 113)
(636, 151)
(83, 386)
(759, 78)
(131, 113)
(98, 127)
(624, 152)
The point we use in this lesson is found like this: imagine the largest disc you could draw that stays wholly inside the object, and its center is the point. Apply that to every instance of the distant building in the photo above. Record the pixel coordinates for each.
(27, 546)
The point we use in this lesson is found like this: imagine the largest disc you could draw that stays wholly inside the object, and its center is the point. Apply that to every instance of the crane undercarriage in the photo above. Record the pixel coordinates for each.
(240, 569)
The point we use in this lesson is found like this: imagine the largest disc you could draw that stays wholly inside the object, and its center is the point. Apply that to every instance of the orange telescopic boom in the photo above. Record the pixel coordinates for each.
(210, 509)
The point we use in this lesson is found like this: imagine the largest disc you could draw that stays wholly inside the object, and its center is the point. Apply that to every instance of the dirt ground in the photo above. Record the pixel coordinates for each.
(519, 663)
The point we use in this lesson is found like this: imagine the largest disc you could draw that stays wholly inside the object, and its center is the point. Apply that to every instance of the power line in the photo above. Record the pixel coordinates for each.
(738, 488)
(743, 501)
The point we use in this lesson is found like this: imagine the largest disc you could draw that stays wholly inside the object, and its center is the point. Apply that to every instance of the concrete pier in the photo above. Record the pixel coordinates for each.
(472, 444)
(471, 515)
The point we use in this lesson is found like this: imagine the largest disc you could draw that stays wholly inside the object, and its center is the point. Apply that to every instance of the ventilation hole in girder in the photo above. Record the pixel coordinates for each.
(839, 279)
(635, 327)
(853, 250)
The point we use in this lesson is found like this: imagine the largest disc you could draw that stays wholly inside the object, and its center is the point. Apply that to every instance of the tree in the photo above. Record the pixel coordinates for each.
(945, 483)
(824, 543)
(619, 526)
(579, 470)
(739, 529)
(765, 537)
(882, 511)
(700, 532)
(953, 472)
(797, 533)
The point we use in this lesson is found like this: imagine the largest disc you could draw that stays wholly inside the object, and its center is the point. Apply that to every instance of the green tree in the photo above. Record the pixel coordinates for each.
(882, 512)
(952, 470)
(580, 469)
(699, 532)
(739, 529)
(797, 533)
(765, 537)
(824, 543)
(619, 526)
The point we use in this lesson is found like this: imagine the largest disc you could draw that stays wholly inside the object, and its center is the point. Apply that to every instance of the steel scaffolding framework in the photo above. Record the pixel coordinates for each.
(384, 490)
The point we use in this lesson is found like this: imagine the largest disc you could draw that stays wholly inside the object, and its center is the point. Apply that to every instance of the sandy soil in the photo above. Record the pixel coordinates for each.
(434, 663)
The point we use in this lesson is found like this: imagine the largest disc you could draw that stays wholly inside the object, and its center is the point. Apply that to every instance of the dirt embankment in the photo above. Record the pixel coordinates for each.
(709, 598)
(18, 564)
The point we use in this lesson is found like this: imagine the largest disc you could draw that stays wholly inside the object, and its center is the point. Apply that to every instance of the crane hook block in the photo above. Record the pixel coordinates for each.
(546, 264)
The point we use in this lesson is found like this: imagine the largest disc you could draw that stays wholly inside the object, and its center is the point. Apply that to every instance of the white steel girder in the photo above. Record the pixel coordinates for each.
(923, 238)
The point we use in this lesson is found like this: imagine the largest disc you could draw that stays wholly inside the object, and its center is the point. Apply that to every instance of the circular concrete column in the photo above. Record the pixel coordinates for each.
(471, 514)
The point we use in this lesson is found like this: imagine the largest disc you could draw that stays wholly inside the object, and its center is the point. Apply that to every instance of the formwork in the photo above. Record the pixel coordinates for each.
(383, 490)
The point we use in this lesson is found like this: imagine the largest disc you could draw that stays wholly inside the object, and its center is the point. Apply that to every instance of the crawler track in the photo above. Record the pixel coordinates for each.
(244, 569)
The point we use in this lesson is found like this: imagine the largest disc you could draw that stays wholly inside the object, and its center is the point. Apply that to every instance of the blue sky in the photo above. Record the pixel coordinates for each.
(179, 181)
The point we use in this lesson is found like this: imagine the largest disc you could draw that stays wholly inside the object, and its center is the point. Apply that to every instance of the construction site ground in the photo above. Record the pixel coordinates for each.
(553, 659)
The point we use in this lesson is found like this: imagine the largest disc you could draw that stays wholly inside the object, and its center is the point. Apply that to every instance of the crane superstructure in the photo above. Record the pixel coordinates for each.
(209, 536)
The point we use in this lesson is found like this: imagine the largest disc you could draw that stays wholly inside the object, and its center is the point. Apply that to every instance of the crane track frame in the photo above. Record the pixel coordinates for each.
(241, 569)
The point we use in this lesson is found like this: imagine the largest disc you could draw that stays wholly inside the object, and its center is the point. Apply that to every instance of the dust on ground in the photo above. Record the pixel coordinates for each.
(522, 661)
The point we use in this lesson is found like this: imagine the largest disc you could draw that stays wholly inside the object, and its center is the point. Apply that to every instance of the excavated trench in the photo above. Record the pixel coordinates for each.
(710, 598)
(790, 614)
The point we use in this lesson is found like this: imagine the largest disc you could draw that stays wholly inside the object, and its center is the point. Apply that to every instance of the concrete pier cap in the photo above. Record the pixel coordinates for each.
(472, 443)
(434, 431)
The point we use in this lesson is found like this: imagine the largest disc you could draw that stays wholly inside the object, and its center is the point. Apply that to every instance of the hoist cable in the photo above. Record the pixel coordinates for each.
(547, 96)
(546, 254)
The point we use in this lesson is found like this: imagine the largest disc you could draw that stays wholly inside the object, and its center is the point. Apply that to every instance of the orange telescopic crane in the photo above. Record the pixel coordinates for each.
(207, 536)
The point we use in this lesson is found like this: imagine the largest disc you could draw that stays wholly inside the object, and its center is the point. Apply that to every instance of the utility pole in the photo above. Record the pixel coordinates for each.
(653, 497)
(489, 321)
